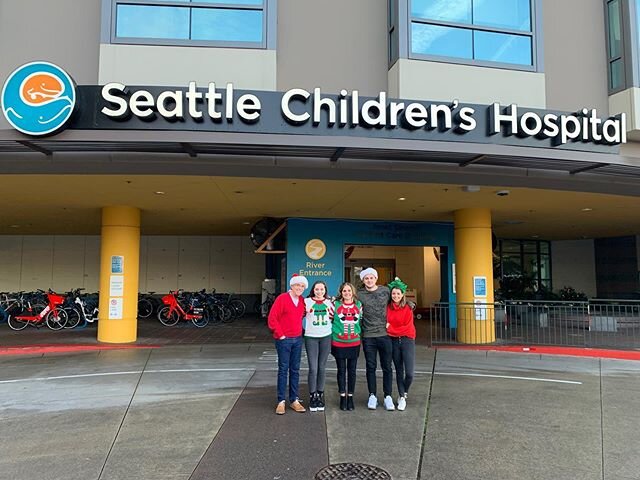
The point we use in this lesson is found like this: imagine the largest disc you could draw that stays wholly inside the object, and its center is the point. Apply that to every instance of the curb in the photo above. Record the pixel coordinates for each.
(566, 351)
(37, 349)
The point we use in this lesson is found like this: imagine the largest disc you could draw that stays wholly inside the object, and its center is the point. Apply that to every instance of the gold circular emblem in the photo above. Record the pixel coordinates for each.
(315, 249)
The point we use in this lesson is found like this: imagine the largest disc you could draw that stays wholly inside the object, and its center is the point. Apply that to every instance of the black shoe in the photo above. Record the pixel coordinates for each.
(343, 402)
(350, 405)
(313, 402)
(320, 401)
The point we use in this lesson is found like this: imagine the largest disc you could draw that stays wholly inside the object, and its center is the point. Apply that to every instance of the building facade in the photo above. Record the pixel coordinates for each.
(452, 142)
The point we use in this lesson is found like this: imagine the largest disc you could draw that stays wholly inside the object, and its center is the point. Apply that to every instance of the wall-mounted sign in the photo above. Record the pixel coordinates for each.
(480, 286)
(117, 264)
(115, 308)
(116, 286)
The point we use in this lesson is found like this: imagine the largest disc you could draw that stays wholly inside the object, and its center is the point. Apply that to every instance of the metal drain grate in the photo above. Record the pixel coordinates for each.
(352, 471)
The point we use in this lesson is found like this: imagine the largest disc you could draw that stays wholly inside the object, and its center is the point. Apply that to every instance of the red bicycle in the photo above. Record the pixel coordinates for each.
(36, 313)
(173, 311)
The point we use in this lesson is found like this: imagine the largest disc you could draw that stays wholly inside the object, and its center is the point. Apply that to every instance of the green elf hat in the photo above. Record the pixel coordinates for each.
(399, 284)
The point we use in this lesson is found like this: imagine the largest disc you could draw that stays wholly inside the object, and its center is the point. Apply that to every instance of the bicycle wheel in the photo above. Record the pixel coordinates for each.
(167, 317)
(202, 322)
(145, 308)
(238, 307)
(227, 314)
(16, 324)
(73, 317)
(57, 319)
(215, 313)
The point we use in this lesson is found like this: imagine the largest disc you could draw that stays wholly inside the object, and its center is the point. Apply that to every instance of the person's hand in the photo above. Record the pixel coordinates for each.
(388, 325)
(282, 337)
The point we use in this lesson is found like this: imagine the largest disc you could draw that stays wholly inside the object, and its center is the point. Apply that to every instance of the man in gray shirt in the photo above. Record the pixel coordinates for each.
(375, 340)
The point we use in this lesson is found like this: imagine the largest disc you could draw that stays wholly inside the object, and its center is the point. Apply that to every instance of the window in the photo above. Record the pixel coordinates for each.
(615, 48)
(525, 263)
(234, 23)
(497, 33)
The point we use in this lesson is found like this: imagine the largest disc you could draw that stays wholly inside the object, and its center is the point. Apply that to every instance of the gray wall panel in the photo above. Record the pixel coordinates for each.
(333, 44)
(575, 60)
(65, 32)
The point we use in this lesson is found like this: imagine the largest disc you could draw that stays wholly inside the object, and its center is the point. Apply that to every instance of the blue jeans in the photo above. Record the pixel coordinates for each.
(289, 352)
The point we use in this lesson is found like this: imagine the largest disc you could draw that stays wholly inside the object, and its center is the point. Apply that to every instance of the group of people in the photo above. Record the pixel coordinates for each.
(376, 317)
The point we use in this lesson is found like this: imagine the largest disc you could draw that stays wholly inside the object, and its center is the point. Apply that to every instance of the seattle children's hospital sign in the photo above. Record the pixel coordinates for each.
(116, 106)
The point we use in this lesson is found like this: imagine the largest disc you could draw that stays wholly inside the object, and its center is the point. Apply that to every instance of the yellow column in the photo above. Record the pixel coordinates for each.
(474, 266)
(119, 265)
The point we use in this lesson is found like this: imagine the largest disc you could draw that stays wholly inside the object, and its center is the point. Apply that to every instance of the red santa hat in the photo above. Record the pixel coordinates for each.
(295, 278)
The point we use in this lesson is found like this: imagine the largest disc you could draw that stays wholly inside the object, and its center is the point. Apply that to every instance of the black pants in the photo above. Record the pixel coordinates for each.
(404, 354)
(347, 374)
(374, 346)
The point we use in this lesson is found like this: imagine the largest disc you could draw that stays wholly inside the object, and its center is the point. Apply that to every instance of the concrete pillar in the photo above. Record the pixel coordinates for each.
(119, 268)
(474, 276)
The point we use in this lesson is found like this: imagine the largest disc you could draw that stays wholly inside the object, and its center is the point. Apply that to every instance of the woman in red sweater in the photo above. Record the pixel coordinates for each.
(285, 323)
(402, 332)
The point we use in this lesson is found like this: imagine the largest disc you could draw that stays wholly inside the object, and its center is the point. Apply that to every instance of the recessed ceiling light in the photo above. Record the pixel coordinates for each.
(246, 223)
(14, 226)
(159, 192)
(402, 199)
(238, 192)
(587, 209)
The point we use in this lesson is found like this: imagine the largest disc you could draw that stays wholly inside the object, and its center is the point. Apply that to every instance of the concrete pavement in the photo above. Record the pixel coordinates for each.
(206, 412)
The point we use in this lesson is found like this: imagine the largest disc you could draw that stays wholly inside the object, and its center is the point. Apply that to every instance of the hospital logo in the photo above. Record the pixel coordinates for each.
(38, 98)
(315, 249)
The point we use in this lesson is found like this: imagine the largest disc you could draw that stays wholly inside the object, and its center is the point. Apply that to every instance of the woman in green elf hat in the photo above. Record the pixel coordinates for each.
(402, 332)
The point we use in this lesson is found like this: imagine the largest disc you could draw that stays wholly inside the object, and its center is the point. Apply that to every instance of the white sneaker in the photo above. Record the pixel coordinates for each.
(388, 403)
(373, 402)
(402, 403)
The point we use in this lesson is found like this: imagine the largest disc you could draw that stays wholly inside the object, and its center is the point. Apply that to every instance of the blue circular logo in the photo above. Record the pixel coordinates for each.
(38, 98)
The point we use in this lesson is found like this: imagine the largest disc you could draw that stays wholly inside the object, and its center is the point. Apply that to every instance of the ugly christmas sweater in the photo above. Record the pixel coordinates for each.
(346, 324)
(317, 320)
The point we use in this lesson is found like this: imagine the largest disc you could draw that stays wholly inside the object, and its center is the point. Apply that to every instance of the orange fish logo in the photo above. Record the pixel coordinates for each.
(38, 98)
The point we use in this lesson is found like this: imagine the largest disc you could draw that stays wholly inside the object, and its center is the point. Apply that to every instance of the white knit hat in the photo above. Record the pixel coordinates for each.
(368, 271)
(295, 278)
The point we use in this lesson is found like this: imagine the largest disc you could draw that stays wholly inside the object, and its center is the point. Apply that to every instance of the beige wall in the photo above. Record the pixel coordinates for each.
(177, 66)
(423, 80)
(63, 262)
(333, 44)
(573, 265)
(575, 60)
(65, 32)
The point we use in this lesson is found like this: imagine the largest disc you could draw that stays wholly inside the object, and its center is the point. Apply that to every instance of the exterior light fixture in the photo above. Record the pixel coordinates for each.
(587, 209)
(471, 188)
(159, 192)
(402, 199)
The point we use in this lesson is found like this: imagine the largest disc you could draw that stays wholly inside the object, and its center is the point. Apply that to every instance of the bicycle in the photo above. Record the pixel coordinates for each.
(173, 312)
(148, 304)
(263, 308)
(52, 314)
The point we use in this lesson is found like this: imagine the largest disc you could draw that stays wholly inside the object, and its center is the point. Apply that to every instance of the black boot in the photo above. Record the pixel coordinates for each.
(313, 402)
(350, 405)
(320, 401)
(343, 402)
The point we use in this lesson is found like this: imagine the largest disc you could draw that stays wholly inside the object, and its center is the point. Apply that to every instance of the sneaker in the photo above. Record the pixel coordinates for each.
(402, 403)
(320, 401)
(373, 402)
(388, 403)
(280, 408)
(297, 406)
(313, 402)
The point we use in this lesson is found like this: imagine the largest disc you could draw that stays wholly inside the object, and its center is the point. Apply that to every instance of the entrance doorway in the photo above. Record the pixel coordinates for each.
(419, 267)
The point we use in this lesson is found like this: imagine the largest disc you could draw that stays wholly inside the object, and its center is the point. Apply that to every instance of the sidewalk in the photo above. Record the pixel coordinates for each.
(206, 411)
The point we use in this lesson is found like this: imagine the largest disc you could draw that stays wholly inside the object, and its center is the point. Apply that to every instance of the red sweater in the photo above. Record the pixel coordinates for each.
(285, 318)
(400, 321)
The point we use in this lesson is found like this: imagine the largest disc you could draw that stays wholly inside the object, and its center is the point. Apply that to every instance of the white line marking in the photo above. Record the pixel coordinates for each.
(250, 369)
(508, 377)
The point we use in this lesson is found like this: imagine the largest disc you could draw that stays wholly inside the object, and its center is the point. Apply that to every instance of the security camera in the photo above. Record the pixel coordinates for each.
(502, 193)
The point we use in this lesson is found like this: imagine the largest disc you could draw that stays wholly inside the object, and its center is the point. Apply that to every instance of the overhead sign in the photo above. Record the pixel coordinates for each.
(39, 98)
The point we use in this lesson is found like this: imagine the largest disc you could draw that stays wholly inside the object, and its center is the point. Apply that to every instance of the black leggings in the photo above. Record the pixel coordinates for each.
(347, 368)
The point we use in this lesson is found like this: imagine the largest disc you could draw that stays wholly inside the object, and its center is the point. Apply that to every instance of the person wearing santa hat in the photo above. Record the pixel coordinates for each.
(285, 322)
(375, 341)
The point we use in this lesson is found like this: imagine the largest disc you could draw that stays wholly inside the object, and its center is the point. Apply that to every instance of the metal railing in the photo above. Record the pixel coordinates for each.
(594, 323)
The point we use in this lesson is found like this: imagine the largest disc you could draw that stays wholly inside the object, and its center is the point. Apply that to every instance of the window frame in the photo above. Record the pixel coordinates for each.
(535, 35)
(521, 254)
(269, 19)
